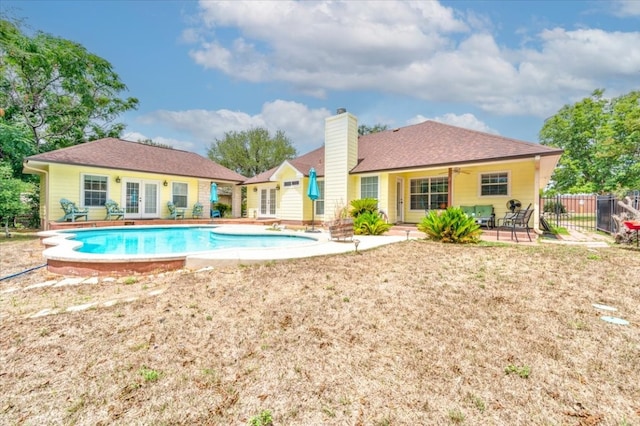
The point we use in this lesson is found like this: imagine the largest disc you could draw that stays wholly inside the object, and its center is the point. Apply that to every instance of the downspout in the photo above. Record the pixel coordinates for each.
(450, 195)
(25, 165)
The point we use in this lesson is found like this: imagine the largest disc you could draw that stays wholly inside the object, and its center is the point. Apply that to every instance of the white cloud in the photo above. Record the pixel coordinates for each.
(467, 121)
(419, 49)
(624, 8)
(303, 126)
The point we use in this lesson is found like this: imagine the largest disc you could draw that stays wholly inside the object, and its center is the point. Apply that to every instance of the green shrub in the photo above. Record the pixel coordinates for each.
(555, 207)
(222, 208)
(370, 223)
(263, 419)
(450, 226)
(362, 206)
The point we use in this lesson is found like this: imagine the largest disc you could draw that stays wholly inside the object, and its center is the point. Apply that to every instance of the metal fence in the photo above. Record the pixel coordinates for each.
(571, 211)
(589, 212)
(608, 206)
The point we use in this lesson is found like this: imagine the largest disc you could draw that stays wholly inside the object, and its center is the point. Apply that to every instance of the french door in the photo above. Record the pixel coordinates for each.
(268, 202)
(399, 200)
(141, 199)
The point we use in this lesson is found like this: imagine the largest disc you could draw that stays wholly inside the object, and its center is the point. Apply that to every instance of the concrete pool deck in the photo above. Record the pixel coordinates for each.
(63, 258)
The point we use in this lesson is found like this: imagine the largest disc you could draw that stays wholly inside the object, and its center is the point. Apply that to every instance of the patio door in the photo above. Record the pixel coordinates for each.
(399, 200)
(268, 202)
(141, 199)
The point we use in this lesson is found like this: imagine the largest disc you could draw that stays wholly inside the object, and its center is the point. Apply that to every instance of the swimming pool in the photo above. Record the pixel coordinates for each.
(175, 240)
(63, 256)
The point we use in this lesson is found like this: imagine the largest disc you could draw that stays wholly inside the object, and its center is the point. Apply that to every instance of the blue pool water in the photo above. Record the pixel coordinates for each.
(168, 240)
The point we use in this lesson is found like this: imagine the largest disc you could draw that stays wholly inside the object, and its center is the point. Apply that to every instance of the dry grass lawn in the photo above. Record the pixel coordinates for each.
(409, 334)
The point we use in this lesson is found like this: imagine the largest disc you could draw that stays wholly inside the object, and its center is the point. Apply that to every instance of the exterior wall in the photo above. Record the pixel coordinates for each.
(65, 182)
(291, 199)
(341, 155)
(464, 187)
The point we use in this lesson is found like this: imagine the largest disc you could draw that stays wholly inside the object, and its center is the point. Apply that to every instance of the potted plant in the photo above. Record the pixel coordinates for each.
(341, 227)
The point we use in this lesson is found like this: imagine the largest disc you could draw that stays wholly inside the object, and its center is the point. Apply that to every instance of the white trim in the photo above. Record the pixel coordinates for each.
(82, 190)
(480, 174)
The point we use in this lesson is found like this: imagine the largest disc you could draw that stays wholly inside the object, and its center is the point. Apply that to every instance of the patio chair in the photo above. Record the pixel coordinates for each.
(196, 213)
(175, 212)
(113, 210)
(215, 213)
(72, 212)
(519, 220)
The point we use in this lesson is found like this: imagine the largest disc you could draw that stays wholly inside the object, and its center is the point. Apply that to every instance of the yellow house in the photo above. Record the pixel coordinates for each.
(409, 170)
(141, 178)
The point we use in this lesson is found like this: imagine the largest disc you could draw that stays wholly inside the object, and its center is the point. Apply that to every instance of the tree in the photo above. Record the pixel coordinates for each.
(11, 190)
(251, 152)
(601, 142)
(363, 129)
(62, 93)
(15, 145)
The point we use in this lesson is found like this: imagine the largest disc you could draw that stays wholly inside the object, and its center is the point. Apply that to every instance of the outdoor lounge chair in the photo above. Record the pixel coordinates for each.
(175, 212)
(113, 210)
(196, 213)
(516, 221)
(71, 211)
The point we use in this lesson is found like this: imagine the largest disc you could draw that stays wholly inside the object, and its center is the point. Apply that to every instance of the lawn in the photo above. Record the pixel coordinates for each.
(407, 334)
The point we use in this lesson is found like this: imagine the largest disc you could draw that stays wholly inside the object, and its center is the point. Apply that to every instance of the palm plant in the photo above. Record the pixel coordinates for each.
(450, 226)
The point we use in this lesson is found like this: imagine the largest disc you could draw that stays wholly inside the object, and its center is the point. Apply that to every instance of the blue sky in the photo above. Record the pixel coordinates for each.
(201, 69)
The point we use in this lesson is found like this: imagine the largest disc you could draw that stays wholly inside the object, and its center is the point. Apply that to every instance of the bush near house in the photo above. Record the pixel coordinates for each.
(367, 218)
(450, 226)
(222, 208)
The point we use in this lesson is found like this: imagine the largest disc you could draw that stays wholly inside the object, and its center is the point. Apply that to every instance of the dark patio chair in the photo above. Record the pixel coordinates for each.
(72, 212)
(113, 210)
(517, 221)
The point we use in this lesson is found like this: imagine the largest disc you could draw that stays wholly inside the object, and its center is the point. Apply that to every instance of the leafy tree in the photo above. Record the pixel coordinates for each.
(601, 142)
(363, 129)
(152, 143)
(15, 145)
(60, 92)
(252, 151)
(11, 190)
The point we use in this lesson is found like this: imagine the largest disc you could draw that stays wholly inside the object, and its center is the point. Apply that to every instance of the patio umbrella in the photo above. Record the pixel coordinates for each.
(213, 197)
(313, 192)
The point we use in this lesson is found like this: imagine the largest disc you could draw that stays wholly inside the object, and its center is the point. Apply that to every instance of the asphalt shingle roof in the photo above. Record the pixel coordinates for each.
(112, 153)
(427, 144)
(431, 144)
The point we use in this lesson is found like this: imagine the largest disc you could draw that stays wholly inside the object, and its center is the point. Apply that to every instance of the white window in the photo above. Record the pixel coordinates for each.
(320, 201)
(94, 190)
(179, 196)
(290, 183)
(369, 187)
(494, 184)
(429, 193)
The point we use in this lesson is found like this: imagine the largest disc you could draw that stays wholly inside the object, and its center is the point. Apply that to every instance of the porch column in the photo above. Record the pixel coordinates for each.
(236, 201)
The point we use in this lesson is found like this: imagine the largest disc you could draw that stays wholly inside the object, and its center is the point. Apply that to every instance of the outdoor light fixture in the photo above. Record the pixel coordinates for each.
(165, 183)
(407, 231)
(356, 242)
(255, 189)
(278, 187)
(117, 179)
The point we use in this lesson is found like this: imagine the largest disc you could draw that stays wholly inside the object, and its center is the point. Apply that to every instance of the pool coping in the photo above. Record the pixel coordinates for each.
(63, 259)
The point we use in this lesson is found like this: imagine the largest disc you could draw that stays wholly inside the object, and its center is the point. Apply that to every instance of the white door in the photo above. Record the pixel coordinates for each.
(141, 199)
(268, 202)
(399, 200)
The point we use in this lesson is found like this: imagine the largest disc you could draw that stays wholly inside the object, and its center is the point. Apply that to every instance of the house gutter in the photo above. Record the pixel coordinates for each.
(26, 166)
